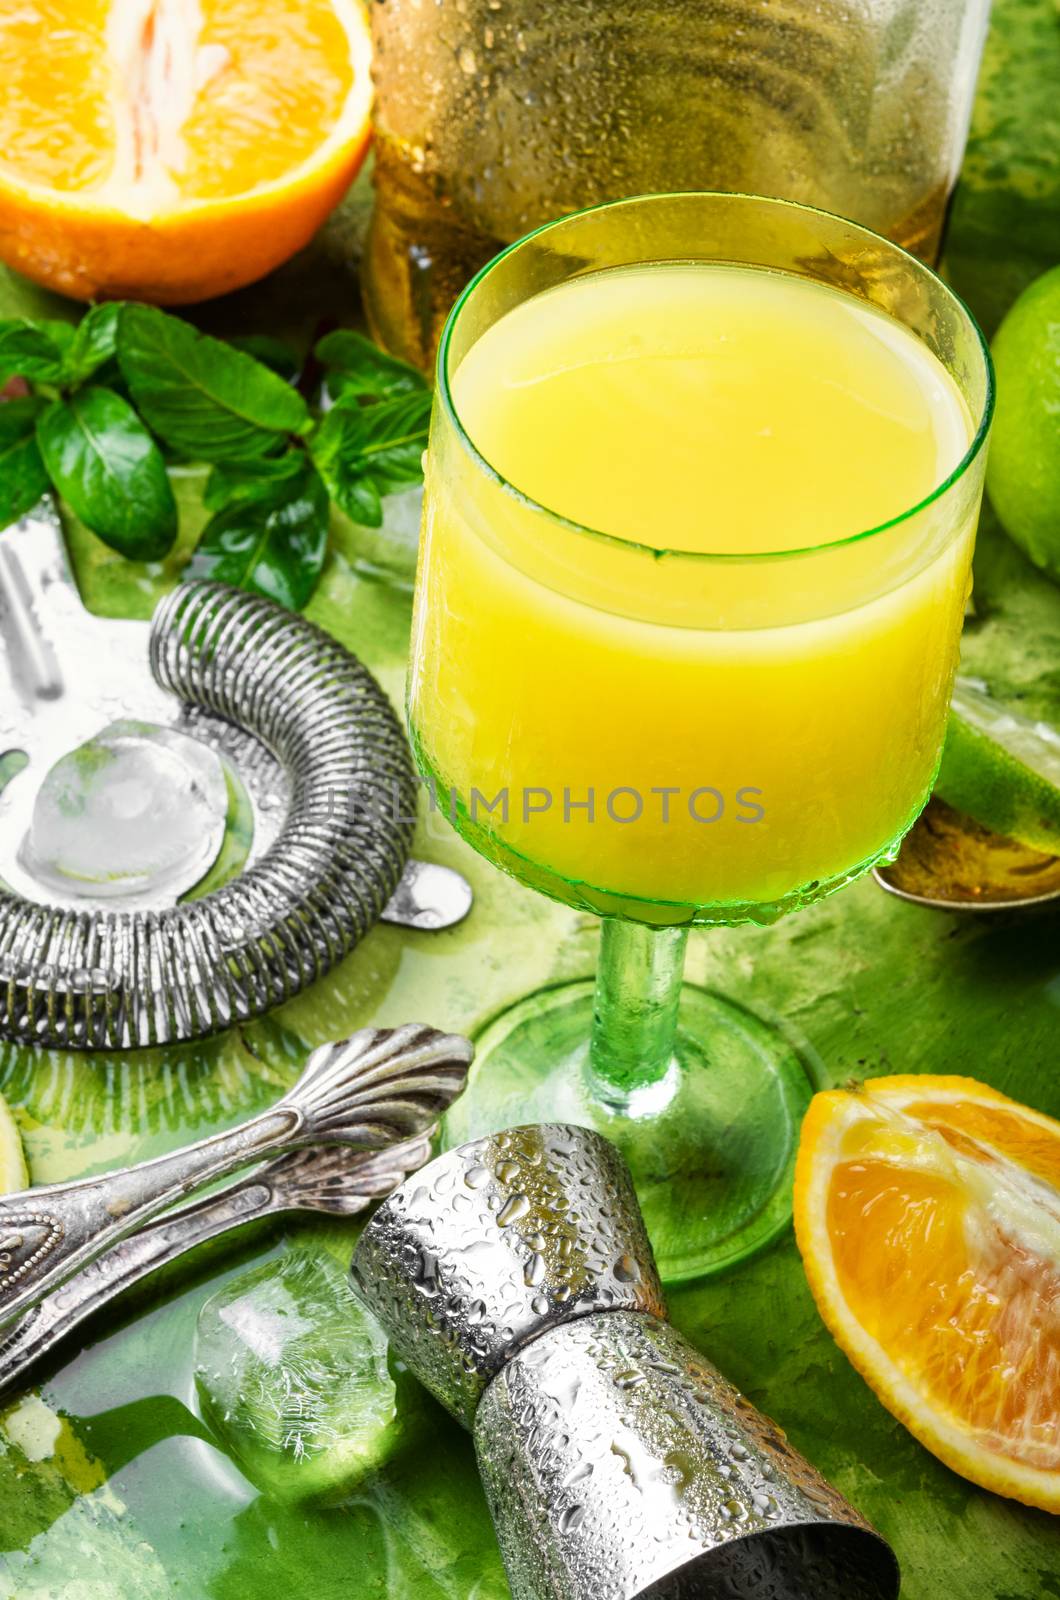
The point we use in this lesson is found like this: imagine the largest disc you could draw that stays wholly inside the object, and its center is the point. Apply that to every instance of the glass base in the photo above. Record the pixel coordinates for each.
(711, 1145)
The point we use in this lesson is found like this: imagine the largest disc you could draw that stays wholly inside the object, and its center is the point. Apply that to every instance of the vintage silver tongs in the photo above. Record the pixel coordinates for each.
(326, 1179)
(375, 1091)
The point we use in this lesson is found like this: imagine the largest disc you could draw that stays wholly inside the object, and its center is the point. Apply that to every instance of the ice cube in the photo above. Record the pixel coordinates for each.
(292, 1376)
(135, 813)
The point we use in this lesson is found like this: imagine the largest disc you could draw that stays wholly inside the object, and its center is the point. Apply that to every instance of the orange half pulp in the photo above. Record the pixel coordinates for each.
(927, 1211)
(170, 150)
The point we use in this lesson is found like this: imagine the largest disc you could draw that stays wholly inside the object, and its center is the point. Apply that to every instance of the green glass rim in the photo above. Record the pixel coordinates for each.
(656, 552)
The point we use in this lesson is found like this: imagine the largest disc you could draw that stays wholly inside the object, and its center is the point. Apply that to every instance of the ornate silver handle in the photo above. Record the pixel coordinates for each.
(328, 1180)
(373, 1090)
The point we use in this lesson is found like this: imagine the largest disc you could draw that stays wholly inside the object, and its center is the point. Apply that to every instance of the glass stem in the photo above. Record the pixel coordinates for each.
(638, 991)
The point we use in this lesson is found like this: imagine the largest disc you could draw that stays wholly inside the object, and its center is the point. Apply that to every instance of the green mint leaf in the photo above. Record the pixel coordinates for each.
(249, 480)
(23, 479)
(358, 367)
(361, 500)
(108, 468)
(273, 544)
(205, 399)
(365, 452)
(272, 353)
(34, 350)
(94, 343)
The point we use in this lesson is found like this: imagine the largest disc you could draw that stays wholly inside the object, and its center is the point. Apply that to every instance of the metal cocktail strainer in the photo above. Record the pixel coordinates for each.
(514, 1277)
(240, 692)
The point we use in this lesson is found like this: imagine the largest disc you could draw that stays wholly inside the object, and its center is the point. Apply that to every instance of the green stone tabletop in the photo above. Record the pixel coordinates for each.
(110, 1487)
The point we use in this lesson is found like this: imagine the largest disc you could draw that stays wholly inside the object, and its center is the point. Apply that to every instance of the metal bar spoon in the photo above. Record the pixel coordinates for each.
(948, 862)
(380, 1087)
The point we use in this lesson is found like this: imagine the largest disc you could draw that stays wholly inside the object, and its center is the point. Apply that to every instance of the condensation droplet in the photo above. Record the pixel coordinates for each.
(626, 1269)
(571, 1519)
(535, 1271)
(515, 1207)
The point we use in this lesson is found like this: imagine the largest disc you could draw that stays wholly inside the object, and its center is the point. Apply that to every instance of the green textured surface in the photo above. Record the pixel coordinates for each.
(132, 1499)
(1005, 224)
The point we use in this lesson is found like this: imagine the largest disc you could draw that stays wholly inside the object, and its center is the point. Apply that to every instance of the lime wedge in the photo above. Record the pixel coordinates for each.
(1002, 769)
(14, 1174)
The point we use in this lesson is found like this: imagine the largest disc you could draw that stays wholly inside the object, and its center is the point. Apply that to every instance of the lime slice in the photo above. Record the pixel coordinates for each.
(1002, 769)
(14, 1174)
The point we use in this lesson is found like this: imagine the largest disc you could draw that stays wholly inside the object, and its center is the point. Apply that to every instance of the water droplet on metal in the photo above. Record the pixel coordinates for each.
(535, 1271)
(517, 1206)
(571, 1519)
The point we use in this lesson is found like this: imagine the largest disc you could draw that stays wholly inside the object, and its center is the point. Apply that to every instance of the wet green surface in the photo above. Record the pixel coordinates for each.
(110, 1486)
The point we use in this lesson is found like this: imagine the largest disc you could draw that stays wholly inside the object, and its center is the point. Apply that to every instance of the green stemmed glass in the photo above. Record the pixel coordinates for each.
(701, 495)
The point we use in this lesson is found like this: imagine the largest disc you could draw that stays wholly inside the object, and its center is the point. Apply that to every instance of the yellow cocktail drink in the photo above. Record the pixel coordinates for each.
(701, 492)
(654, 701)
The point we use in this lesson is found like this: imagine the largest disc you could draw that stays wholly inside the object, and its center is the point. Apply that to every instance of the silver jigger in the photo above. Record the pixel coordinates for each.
(515, 1278)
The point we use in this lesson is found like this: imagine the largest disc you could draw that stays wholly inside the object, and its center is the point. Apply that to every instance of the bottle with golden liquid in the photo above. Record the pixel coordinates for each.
(494, 116)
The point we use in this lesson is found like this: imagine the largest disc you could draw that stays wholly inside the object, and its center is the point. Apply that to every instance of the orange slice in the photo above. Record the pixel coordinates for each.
(170, 150)
(927, 1210)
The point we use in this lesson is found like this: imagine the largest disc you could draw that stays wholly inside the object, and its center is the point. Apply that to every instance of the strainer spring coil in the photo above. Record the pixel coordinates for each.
(93, 979)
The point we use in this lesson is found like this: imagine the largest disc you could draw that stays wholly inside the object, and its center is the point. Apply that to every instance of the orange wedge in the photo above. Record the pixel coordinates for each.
(170, 150)
(927, 1210)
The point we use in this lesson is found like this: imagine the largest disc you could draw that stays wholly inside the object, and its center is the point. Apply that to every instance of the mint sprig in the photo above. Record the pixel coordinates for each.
(358, 367)
(366, 451)
(272, 541)
(132, 390)
(106, 465)
(203, 397)
(23, 478)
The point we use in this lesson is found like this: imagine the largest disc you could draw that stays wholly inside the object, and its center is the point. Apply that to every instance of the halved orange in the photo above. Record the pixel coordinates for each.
(927, 1210)
(170, 150)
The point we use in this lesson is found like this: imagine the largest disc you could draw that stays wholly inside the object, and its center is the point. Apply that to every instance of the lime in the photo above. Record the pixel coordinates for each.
(1023, 472)
(14, 1174)
(1002, 769)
